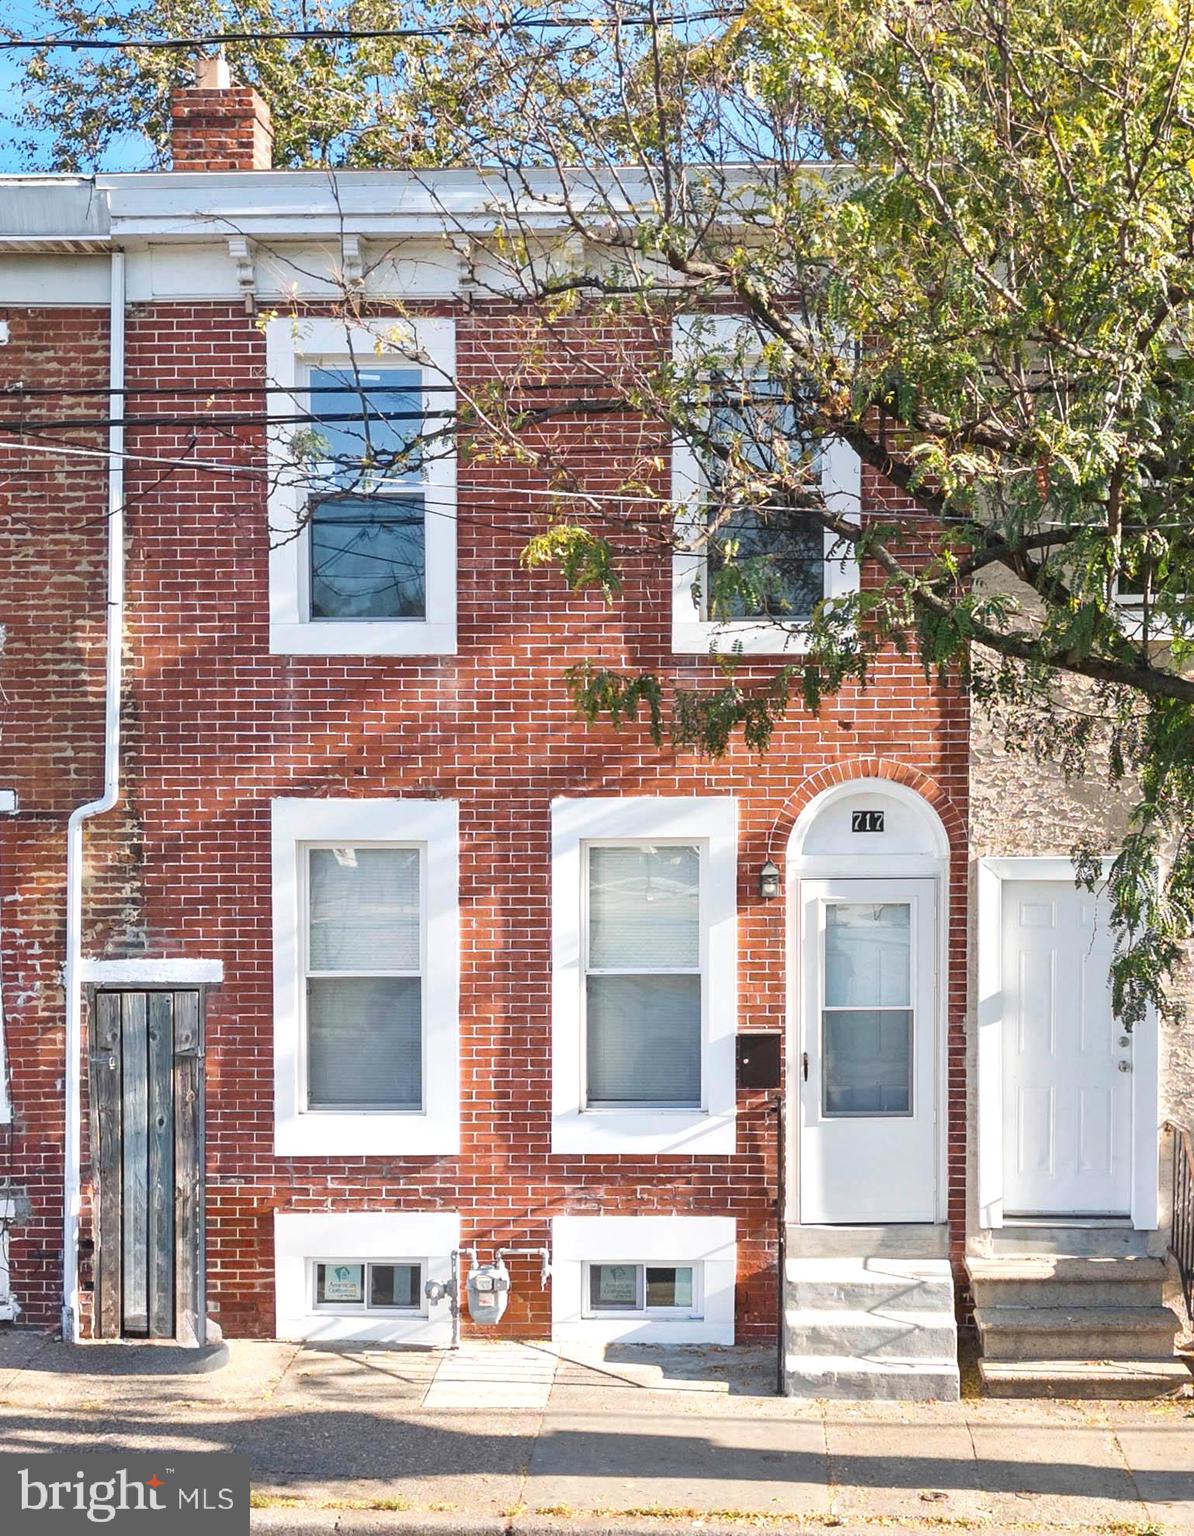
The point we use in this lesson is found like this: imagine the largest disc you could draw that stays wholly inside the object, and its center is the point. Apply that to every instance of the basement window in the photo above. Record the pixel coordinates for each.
(373, 1285)
(641, 1290)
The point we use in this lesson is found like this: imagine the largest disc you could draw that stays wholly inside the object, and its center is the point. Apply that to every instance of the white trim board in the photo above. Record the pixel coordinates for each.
(152, 972)
(433, 826)
(711, 823)
(710, 1241)
(990, 875)
(300, 1237)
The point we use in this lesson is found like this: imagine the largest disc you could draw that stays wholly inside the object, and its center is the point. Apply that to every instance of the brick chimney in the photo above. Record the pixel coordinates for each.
(218, 126)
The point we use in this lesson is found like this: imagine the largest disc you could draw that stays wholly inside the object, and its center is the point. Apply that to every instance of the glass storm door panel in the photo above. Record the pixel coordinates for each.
(1067, 1083)
(867, 1070)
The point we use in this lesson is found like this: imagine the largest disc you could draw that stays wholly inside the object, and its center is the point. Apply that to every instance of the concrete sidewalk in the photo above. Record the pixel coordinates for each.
(532, 1439)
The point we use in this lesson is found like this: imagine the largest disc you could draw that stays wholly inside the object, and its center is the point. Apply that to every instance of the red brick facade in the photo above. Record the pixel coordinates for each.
(217, 727)
(220, 130)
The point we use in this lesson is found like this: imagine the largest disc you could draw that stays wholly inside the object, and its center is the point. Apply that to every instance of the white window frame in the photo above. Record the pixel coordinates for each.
(841, 480)
(701, 969)
(363, 1308)
(694, 1313)
(706, 1244)
(711, 824)
(431, 826)
(303, 1239)
(292, 348)
(305, 849)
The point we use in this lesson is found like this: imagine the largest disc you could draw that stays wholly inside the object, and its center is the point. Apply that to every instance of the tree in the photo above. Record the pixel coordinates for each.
(961, 233)
(362, 100)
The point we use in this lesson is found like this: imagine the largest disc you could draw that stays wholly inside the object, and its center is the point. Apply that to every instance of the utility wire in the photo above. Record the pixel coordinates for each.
(354, 34)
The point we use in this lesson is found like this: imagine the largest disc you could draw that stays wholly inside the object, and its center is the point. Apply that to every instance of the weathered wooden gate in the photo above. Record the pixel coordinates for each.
(147, 1153)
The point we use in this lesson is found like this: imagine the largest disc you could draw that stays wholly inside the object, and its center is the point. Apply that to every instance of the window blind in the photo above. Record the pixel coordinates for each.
(643, 988)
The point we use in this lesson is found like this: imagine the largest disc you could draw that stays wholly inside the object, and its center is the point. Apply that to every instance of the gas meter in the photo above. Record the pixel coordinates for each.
(488, 1291)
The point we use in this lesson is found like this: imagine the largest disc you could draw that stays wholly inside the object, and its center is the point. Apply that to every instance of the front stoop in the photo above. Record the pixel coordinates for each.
(1086, 1326)
(864, 1327)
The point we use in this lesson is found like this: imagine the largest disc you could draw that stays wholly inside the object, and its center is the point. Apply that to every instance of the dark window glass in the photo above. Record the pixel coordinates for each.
(759, 426)
(367, 423)
(669, 1287)
(368, 558)
(395, 1285)
(791, 582)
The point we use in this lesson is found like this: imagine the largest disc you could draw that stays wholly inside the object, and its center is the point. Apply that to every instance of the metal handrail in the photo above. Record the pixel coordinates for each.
(1181, 1223)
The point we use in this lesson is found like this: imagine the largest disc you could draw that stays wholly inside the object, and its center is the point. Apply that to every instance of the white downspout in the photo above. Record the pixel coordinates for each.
(72, 1072)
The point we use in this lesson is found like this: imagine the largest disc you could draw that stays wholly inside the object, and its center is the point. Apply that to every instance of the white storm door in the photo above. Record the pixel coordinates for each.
(1067, 1086)
(867, 1068)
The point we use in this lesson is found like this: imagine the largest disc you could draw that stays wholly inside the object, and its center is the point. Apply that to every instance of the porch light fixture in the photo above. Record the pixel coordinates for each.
(769, 881)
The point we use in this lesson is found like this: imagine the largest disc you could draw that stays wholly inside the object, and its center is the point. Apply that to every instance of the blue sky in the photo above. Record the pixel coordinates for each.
(25, 18)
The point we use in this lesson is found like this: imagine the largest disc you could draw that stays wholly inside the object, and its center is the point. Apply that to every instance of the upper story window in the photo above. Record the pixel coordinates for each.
(367, 509)
(746, 572)
(643, 979)
(362, 504)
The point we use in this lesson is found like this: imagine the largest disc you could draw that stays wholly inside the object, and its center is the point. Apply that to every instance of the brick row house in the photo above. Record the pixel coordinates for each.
(340, 958)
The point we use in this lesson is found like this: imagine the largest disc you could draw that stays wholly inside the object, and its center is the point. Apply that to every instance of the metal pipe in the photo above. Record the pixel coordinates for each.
(73, 1032)
(454, 1297)
(542, 1253)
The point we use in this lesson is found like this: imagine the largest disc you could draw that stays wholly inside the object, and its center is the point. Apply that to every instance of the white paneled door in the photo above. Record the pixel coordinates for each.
(1067, 1086)
(868, 997)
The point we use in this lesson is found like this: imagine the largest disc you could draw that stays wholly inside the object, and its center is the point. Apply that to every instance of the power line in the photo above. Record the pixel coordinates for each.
(354, 34)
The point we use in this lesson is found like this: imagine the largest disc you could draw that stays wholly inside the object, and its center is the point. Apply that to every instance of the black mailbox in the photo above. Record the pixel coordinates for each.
(758, 1058)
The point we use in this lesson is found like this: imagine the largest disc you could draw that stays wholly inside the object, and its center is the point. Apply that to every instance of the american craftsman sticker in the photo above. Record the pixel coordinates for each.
(343, 1282)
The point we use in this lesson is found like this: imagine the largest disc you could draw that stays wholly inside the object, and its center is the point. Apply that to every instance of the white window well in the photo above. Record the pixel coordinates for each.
(805, 562)
(343, 1275)
(647, 1279)
(362, 507)
(365, 1030)
(644, 947)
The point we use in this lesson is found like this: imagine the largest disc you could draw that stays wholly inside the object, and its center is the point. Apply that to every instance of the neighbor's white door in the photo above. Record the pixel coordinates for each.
(867, 1069)
(1067, 1086)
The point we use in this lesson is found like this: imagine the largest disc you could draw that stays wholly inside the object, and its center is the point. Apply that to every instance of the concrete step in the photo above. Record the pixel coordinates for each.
(1059, 1281)
(1107, 1379)
(912, 1240)
(1076, 1333)
(846, 1377)
(1078, 1239)
(907, 1335)
(867, 1283)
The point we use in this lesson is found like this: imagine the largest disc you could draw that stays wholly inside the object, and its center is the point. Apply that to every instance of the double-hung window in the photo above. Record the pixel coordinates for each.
(750, 566)
(643, 985)
(365, 895)
(364, 992)
(644, 974)
(363, 479)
